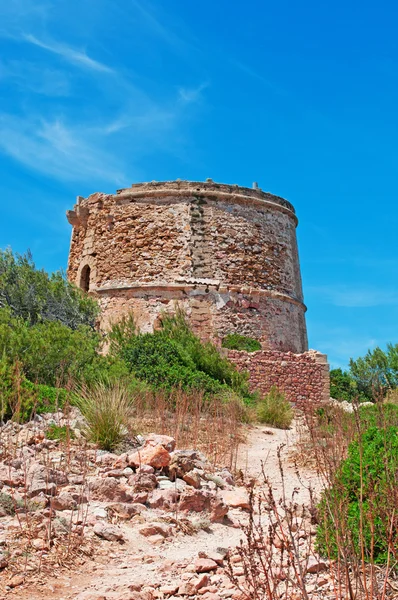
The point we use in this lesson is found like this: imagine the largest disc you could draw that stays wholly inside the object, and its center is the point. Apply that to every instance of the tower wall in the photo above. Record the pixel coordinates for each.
(227, 254)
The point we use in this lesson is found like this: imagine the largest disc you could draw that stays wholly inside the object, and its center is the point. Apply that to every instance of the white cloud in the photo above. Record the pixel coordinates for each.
(77, 57)
(58, 150)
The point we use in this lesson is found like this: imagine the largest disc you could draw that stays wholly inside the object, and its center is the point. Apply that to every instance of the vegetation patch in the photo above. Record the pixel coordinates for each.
(108, 410)
(174, 357)
(357, 505)
(275, 410)
(234, 341)
(58, 432)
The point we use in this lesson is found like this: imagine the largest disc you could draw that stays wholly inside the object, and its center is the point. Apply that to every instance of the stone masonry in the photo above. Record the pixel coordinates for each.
(227, 254)
(304, 378)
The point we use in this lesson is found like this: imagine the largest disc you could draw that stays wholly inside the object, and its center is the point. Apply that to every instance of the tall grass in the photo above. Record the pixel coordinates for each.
(108, 410)
(275, 410)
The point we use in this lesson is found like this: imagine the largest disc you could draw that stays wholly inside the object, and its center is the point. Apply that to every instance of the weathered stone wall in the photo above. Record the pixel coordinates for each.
(304, 378)
(227, 254)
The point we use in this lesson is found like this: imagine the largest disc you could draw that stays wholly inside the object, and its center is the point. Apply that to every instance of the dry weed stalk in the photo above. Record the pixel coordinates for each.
(210, 425)
(33, 545)
(277, 547)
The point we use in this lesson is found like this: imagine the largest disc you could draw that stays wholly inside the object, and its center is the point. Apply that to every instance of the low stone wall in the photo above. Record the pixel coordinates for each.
(304, 378)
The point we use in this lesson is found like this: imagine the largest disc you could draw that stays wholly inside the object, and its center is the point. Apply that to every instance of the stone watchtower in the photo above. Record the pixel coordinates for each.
(227, 254)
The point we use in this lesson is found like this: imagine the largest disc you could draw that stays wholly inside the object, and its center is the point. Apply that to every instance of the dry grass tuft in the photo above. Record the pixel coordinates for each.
(108, 410)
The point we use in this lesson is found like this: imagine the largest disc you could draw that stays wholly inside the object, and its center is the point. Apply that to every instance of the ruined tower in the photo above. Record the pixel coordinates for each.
(227, 254)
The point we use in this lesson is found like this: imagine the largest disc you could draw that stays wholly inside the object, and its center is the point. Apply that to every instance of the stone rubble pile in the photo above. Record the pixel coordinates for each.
(135, 511)
(49, 490)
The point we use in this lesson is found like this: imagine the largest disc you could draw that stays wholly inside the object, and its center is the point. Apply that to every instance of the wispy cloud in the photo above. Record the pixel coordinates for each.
(58, 150)
(191, 95)
(77, 57)
(158, 26)
(34, 78)
(258, 76)
(354, 297)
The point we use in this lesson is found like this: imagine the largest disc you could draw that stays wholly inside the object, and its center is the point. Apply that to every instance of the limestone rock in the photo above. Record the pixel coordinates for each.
(154, 456)
(108, 532)
(166, 441)
(151, 529)
(108, 489)
(237, 498)
(204, 565)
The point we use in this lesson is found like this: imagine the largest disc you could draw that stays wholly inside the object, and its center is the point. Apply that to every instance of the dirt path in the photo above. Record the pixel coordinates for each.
(117, 569)
(261, 452)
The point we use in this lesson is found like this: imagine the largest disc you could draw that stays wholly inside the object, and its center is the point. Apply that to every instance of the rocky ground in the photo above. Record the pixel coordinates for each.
(153, 522)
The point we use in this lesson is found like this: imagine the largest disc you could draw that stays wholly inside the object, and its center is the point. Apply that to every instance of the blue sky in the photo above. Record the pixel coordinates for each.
(299, 96)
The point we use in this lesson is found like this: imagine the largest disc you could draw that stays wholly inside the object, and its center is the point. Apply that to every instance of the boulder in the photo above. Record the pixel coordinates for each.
(183, 461)
(154, 456)
(125, 510)
(142, 482)
(108, 532)
(193, 500)
(64, 501)
(39, 481)
(153, 439)
(106, 460)
(150, 529)
(237, 498)
(192, 478)
(315, 565)
(165, 499)
(204, 565)
(109, 489)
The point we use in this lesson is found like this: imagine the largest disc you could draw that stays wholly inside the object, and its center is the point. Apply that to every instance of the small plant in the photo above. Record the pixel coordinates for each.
(235, 341)
(275, 410)
(57, 432)
(107, 408)
(7, 504)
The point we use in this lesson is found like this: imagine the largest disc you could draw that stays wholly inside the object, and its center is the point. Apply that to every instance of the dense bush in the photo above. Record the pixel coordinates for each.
(275, 410)
(234, 341)
(163, 363)
(35, 296)
(343, 386)
(377, 371)
(174, 357)
(361, 504)
(21, 399)
(49, 352)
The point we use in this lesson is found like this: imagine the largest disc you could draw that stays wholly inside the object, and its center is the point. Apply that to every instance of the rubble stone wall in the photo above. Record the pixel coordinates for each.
(304, 378)
(227, 254)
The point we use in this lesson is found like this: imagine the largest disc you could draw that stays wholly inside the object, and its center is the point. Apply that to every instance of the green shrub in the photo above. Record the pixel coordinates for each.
(356, 512)
(58, 432)
(163, 364)
(343, 386)
(7, 504)
(34, 296)
(50, 353)
(275, 410)
(108, 410)
(174, 357)
(21, 399)
(234, 341)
